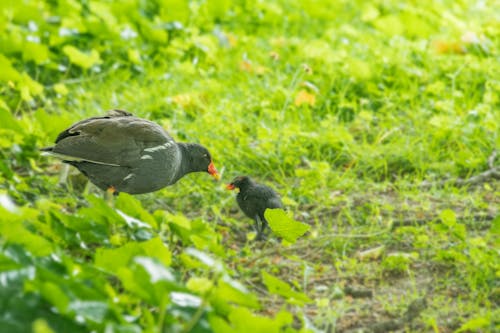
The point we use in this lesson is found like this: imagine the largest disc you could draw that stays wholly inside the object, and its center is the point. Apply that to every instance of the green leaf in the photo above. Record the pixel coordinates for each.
(29, 87)
(148, 279)
(183, 300)
(133, 207)
(284, 226)
(4, 105)
(61, 89)
(448, 217)
(51, 124)
(474, 324)
(279, 287)
(231, 291)
(113, 259)
(391, 25)
(134, 56)
(155, 269)
(80, 58)
(53, 293)
(91, 310)
(205, 259)
(199, 285)
(13, 230)
(495, 226)
(39, 53)
(8, 121)
(100, 212)
(41, 326)
(8, 72)
(174, 10)
(242, 320)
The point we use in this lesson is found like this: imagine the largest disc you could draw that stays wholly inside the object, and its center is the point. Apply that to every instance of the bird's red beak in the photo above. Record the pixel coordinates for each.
(213, 171)
(230, 186)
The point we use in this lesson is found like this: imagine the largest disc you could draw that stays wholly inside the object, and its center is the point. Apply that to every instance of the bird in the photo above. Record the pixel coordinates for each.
(119, 152)
(253, 199)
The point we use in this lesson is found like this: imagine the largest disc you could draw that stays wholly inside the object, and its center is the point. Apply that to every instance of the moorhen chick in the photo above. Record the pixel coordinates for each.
(123, 153)
(254, 199)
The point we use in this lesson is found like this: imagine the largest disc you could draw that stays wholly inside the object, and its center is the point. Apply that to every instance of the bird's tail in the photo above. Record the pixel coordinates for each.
(46, 151)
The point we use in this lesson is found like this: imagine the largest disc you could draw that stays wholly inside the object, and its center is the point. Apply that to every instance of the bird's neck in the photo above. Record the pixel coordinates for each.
(186, 165)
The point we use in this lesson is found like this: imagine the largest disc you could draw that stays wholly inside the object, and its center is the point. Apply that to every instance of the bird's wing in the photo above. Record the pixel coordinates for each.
(112, 140)
(264, 197)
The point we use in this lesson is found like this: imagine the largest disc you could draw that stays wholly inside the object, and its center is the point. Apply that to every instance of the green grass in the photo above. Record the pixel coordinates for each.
(362, 116)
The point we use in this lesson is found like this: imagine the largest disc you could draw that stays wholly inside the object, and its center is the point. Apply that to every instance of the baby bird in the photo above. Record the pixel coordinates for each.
(254, 199)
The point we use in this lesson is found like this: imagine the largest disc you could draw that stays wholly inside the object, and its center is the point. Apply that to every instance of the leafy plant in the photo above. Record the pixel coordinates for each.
(377, 123)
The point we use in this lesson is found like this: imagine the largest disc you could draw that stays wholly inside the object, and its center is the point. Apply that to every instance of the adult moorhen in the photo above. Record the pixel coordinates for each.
(254, 199)
(123, 153)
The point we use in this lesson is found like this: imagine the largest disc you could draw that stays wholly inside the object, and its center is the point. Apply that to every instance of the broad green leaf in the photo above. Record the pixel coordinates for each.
(41, 326)
(217, 9)
(53, 293)
(475, 324)
(82, 59)
(103, 10)
(279, 287)
(101, 212)
(174, 10)
(91, 310)
(391, 25)
(284, 226)
(416, 26)
(148, 279)
(7, 264)
(8, 72)
(123, 328)
(219, 324)
(17, 275)
(13, 230)
(185, 300)
(448, 217)
(242, 320)
(179, 220)
(205, 259)
(199, 285)
(155, 269)
(61, 89)
(39, 53)
(228, 290)
(29, 87)
(134, 56)
(133, 207)
(360, 69)
(7, 204)
(4, 105)
(113, 259)
(51, 123)
(369, 12)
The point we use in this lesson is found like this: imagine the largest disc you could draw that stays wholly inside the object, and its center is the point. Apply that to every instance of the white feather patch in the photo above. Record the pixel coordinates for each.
(146, 157)
(160, 147)
(130, 175)
(74, 158)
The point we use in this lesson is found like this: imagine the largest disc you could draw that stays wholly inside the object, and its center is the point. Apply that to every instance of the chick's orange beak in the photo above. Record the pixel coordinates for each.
(213, 171)
(230, 186)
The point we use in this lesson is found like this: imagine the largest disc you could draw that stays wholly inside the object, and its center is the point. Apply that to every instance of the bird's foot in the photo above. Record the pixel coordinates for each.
(111, 193)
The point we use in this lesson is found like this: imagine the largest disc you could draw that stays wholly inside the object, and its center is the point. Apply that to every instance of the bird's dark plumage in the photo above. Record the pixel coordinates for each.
(128, 154)
(254, 199)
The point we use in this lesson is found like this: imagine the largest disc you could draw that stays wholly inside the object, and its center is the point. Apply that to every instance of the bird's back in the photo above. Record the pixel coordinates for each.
(256, 199)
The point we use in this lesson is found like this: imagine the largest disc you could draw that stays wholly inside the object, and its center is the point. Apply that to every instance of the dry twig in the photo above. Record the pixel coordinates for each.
(492, 173)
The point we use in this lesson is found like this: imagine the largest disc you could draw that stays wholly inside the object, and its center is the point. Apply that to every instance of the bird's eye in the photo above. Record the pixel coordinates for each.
(205, 155)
